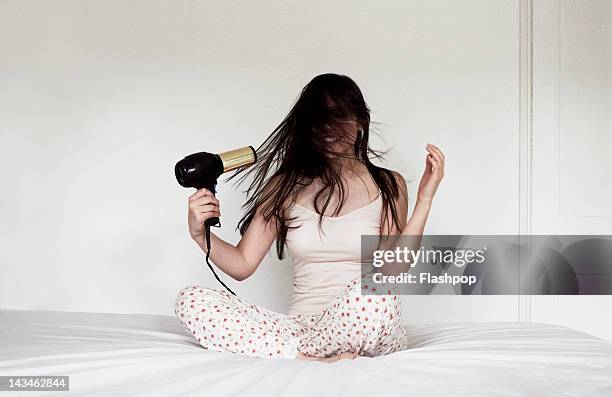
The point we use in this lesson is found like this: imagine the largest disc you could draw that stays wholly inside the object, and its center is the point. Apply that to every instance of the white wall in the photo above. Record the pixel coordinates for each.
(100, 99)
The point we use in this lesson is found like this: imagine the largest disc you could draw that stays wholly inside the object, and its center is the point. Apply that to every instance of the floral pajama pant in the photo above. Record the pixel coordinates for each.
(369, 325)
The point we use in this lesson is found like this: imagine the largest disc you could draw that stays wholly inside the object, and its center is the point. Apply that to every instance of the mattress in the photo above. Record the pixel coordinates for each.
(151, 355)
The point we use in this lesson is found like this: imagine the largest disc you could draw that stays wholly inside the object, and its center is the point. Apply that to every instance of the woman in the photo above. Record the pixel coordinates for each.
(316, 192)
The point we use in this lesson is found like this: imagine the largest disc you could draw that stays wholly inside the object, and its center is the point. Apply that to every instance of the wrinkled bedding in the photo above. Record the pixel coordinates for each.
(151, 355)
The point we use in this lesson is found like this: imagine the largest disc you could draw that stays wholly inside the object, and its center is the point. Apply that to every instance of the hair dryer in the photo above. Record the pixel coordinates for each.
(201, 170)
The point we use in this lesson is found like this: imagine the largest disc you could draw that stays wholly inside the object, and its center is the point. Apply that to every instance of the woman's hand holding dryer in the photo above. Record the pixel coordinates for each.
(202, 206)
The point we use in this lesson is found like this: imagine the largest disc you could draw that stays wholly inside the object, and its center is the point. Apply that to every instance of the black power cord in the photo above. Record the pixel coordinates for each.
(207, 236)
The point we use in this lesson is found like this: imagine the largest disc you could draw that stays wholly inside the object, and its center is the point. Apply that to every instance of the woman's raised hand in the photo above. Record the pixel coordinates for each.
(202, 205)
(434, 171)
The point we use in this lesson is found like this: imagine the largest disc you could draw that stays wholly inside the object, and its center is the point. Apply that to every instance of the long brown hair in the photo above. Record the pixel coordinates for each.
(299, 150)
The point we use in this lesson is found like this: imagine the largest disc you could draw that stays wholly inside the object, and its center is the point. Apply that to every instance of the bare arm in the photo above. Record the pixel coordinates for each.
(391, 234)
(433, 174)
(239, 261)
(412, 231)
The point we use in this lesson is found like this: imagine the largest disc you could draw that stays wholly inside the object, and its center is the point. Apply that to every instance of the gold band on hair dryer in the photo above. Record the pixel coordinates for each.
(201, 170)
(237, 158)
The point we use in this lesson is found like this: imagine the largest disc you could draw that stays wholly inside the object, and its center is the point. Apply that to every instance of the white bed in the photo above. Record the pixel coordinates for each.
(150, 355)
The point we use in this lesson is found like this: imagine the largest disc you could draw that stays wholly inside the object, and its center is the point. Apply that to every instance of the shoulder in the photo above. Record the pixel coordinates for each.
(398, 177)
(397, 212)
(401, 183)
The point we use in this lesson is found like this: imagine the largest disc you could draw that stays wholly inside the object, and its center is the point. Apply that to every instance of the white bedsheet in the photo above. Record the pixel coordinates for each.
(150, 355)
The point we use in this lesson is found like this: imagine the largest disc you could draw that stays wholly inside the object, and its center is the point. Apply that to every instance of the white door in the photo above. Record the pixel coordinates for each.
(571, 145)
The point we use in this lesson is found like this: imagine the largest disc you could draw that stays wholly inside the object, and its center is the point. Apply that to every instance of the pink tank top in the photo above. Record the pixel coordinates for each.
(325, 260)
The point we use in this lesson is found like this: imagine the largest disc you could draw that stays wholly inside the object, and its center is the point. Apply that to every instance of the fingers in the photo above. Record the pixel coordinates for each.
(434, 162)
(437, 168)
(203, 205)
(436, 158)
(202, 209)
(433, 149)
(201, 213)
(200, 193)
(203, 216)
(204, 198)
(437, 149)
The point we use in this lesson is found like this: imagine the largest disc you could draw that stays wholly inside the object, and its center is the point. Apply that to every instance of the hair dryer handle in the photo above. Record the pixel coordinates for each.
(213, 222)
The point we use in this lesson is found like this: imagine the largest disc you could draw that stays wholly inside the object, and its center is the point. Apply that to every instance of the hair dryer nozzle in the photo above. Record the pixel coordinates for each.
(238, 158)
